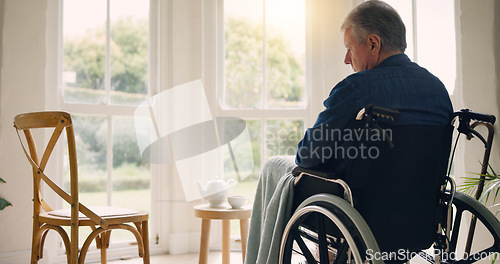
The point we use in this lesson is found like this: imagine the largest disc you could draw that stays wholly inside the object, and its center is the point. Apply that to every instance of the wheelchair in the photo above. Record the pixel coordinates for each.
(391, 208)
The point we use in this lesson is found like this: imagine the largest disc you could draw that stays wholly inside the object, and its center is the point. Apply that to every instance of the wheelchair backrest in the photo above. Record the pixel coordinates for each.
(396, 188)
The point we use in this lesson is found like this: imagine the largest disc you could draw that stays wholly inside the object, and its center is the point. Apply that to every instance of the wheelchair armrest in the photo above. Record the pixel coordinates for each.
(299, 172)
(323, 174)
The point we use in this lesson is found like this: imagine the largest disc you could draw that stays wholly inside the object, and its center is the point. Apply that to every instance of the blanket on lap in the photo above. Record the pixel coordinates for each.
(271, 211)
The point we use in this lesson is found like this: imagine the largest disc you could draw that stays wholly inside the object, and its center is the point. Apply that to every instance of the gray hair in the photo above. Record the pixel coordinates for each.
(377, 17)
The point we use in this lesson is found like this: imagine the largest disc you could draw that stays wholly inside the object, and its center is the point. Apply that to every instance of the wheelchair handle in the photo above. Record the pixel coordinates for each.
(376, 110)
(467, 114)
(370, 113)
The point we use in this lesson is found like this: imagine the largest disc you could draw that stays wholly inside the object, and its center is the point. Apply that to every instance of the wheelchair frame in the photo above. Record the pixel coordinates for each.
(355, 240)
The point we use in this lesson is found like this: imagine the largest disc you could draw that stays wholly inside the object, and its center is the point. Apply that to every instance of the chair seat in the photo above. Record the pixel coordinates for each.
(112, 214)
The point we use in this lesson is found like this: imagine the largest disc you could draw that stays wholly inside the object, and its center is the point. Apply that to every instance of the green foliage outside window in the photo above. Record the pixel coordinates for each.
(244, 67)
(85, 55)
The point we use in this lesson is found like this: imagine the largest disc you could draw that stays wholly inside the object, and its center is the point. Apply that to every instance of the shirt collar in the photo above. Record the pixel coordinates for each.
(394, 59)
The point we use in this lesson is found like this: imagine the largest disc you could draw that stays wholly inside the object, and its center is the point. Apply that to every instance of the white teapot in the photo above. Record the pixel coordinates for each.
(215, 191)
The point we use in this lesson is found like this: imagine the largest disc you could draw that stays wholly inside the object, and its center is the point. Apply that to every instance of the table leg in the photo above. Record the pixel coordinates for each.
(244, 236)
(226, 243)
(205, 236)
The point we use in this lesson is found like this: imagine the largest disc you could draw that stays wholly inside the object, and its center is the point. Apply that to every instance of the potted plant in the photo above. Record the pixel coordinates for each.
(3, 203)
(491, 186)
(490, 182)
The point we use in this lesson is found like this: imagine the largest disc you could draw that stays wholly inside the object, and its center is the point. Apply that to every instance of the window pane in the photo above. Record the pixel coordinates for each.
(285, 53)
(243, 60)
(90, 136)
(129, 51)
(242, 153)
(282, 136)
(247, 186)
(436, 24)
(404, 8)
(84, 34)
(131, 176)
(279, 39)
(86, 53)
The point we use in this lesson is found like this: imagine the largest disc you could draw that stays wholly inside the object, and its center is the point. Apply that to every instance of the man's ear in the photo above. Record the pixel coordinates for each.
(375, 43)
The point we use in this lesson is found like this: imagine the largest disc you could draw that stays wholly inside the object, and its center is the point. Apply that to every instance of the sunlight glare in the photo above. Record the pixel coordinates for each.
(83, 15)
(288, 16)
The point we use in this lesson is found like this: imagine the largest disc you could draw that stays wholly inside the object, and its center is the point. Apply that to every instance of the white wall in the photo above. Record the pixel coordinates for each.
(22, 89)
(182, 63)
(478, 89)
(478, 86)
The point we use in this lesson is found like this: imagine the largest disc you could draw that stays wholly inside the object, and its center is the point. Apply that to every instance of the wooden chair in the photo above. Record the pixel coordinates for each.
(101, 219)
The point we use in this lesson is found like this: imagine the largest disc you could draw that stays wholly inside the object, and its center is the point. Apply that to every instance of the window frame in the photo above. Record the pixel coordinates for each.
(54, 84)
(303, 113)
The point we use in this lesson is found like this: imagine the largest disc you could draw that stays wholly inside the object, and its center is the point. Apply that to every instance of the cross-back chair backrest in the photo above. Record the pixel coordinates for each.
(58, 121)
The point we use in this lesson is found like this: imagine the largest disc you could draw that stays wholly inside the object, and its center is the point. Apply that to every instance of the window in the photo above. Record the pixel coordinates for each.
(430, 34)
(105, 52)
(264, 64)
(105, 76)
(262, 77)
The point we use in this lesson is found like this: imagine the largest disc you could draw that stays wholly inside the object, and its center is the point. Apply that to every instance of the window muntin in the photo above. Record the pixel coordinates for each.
(263, 78)
(104, 77)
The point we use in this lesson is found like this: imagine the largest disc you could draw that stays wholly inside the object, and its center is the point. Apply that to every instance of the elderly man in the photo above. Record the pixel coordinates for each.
(374, 36)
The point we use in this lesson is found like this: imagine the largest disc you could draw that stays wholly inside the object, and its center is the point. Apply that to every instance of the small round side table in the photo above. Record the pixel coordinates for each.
(225, 214)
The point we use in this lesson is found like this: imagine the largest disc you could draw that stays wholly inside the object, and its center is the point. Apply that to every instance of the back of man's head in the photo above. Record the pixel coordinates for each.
(377, 17)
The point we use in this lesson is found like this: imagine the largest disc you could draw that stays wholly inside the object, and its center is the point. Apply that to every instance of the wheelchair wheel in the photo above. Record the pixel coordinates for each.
(326, 229)
(486, 247)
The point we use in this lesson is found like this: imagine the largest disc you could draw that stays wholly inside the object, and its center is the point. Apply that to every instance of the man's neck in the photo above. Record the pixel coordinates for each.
(387, 54)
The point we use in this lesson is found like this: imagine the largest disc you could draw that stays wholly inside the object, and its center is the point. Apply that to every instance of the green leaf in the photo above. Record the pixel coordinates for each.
(494, 258)
(2, 180)
(491, 185)
(4, 203)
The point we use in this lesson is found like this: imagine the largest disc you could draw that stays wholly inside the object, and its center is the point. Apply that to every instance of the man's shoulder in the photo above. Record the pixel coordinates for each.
(407, 70)
(354, 82)
(361, 77)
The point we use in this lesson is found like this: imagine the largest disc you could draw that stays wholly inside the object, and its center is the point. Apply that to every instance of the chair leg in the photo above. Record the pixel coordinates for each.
(204, 240)
(42, 243)
(145, 240)
(244, 223)
(104, 255)
(35, 247)
(74, 259)
(104, 245)
(226, 236)
(36, 240)
(37, 243)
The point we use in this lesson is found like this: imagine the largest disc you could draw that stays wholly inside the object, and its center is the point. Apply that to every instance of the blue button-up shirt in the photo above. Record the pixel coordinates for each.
(396, 83)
